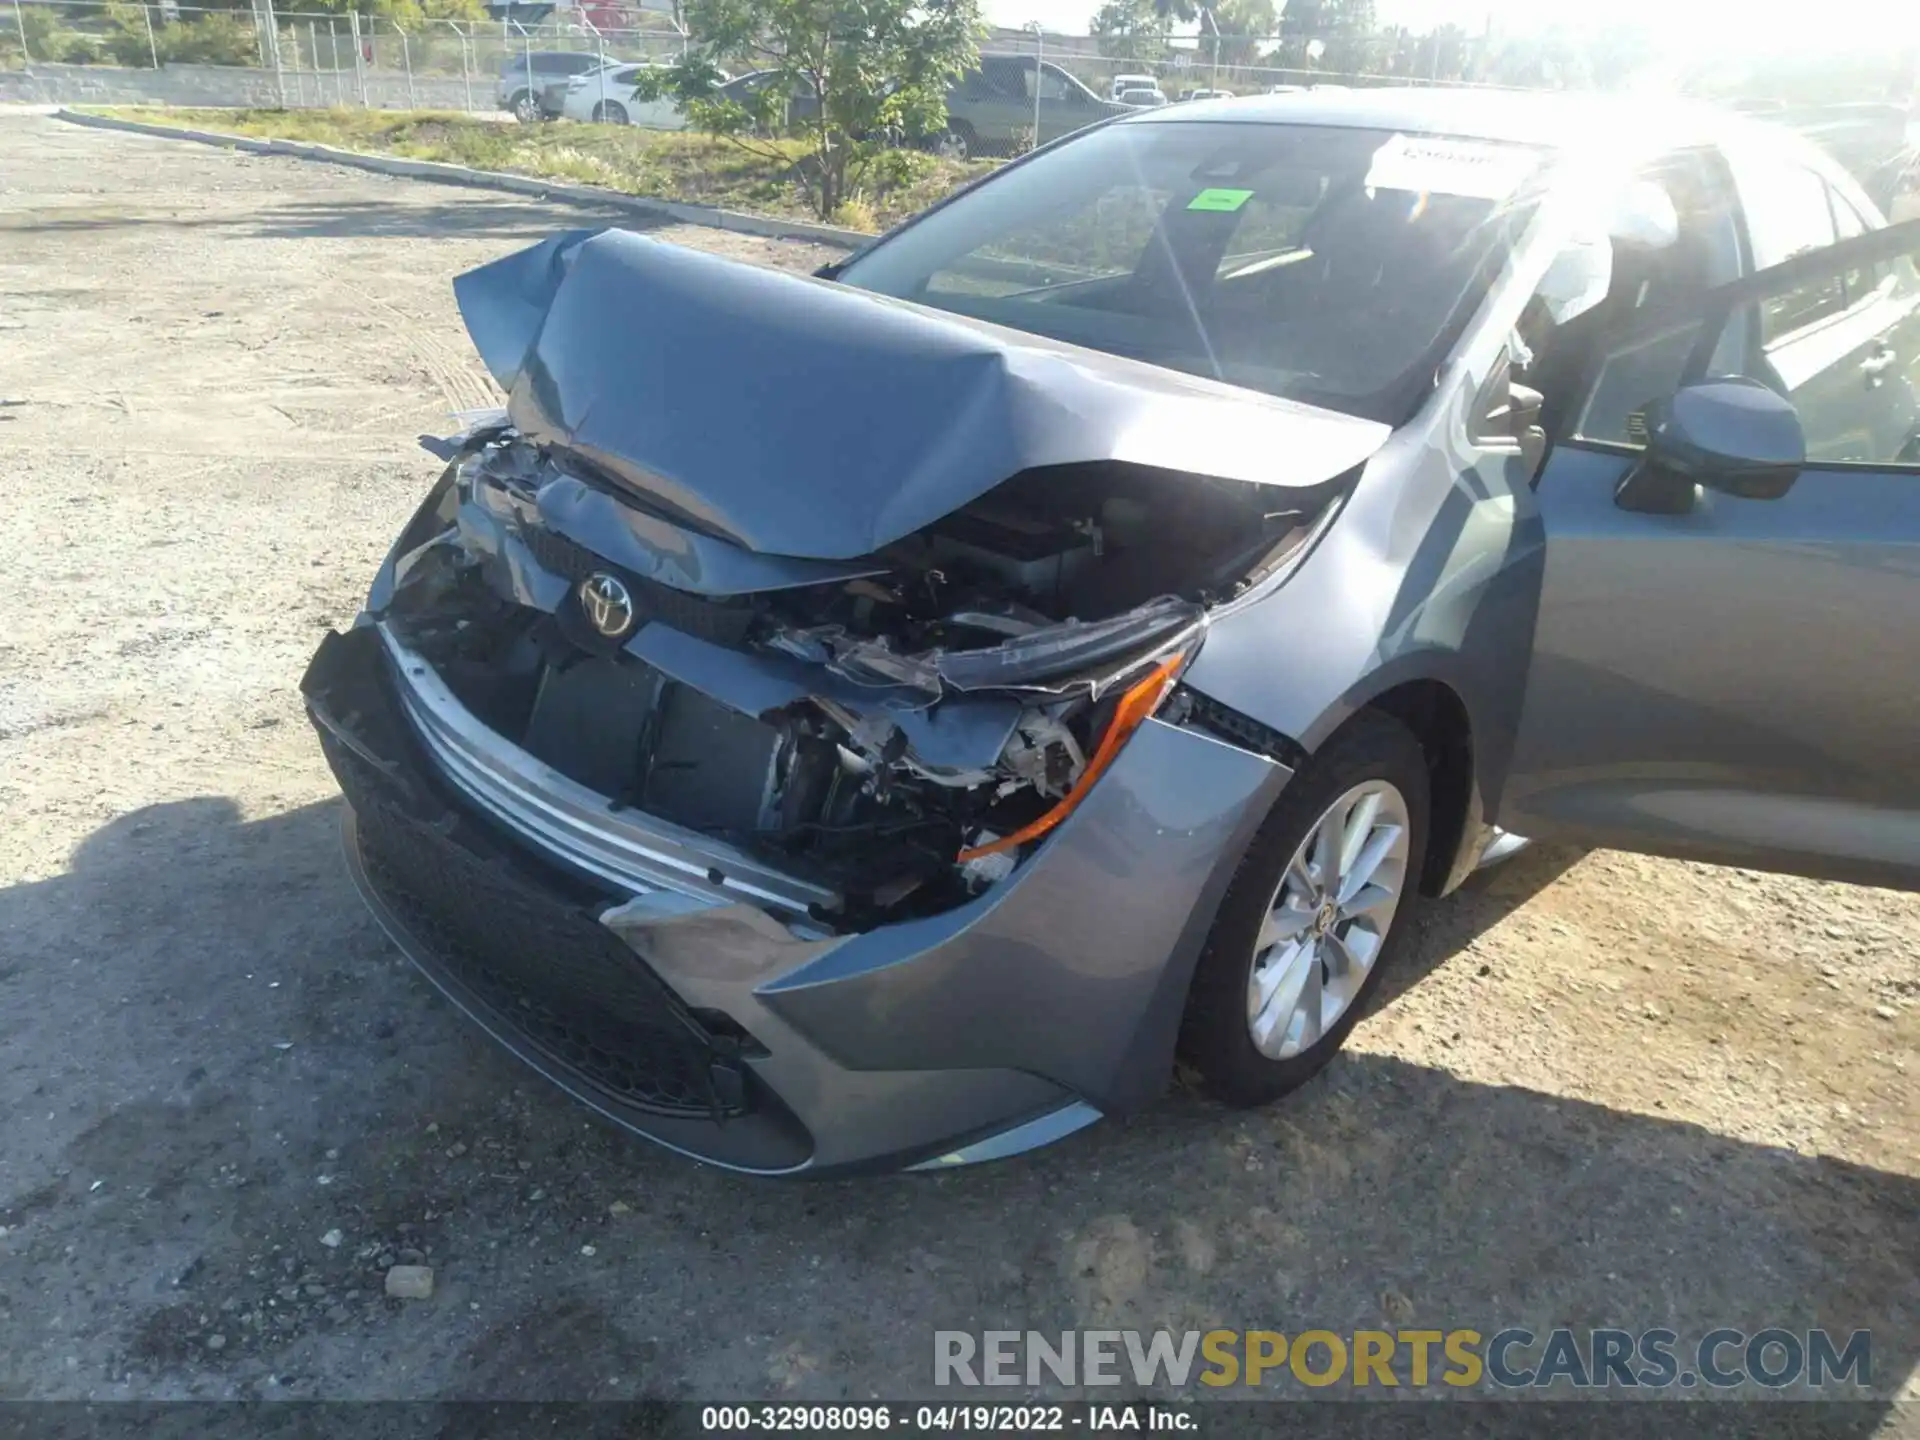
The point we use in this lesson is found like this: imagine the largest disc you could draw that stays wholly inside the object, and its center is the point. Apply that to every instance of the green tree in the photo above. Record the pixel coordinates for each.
(1243, 25)
(1346, 31)
(859, 75)
(1131, 30)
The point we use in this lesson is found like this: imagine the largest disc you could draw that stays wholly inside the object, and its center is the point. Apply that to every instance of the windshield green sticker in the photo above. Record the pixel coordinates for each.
(1219, 199)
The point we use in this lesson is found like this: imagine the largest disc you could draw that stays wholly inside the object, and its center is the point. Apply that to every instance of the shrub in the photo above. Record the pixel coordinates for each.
(856, 212)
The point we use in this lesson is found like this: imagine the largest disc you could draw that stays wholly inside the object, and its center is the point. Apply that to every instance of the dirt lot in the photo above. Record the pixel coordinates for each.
(1613, 1091)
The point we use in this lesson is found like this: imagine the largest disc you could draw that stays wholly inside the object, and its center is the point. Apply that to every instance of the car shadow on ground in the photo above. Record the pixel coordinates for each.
(1449, 926)
(468, 214)
(229, 1103)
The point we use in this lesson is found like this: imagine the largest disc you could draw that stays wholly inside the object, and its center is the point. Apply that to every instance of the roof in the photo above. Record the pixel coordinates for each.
(1555, 119)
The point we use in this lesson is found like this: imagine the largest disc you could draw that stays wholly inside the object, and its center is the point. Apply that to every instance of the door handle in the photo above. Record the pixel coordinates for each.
(1876, 365)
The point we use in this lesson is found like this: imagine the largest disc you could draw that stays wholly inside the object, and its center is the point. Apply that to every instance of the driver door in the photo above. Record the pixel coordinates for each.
(1738, 679)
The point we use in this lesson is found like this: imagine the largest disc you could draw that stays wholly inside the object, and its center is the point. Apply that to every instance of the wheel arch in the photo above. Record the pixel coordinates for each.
(1438, 713)
(1438, 718)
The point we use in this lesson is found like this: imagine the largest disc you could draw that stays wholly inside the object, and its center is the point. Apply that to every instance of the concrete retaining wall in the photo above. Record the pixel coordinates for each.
(647, 205)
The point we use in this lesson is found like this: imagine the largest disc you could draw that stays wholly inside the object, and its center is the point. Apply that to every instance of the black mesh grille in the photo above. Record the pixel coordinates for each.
(724, 622)
(545, 969)
(1243, 730)
(559, 554)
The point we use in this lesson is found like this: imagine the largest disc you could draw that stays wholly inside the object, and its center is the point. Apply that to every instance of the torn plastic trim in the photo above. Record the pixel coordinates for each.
(956, 709)
(478, 428)
(1071, 658)
(573, 525)
(1136, 706)
(962, 735)
(1190, 707)
(574, 824)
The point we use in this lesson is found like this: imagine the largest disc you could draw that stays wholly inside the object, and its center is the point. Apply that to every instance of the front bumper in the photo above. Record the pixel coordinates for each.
(694, 1006)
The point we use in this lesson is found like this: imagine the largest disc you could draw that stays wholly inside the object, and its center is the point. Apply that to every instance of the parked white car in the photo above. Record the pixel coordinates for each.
(1131, 82)
(1142, 98)
(607, 95)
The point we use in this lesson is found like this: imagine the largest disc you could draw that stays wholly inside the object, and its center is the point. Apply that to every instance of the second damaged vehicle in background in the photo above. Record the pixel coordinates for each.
(875, 720)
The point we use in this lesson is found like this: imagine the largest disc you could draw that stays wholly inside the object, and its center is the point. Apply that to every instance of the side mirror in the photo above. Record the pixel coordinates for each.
(1734, 435)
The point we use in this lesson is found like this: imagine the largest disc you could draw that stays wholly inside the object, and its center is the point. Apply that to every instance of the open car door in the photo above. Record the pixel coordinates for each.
(1726, 664)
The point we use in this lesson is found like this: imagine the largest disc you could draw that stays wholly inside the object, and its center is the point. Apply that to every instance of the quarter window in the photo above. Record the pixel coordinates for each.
(1788, 214)
(1862, 280)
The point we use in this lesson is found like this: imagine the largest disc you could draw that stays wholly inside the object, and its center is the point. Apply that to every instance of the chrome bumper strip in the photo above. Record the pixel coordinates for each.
(576, 825)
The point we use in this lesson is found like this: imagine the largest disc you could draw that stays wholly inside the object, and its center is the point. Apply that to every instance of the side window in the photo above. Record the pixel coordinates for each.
(1053, 86)
(1862, 280)
(1788, 214)
(1787, 211)
(1646, 282)
(1632, 377)
(1854, 380)
(1005, 78)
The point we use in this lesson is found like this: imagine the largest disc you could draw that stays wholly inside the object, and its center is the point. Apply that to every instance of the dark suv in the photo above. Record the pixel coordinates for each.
(990, 111)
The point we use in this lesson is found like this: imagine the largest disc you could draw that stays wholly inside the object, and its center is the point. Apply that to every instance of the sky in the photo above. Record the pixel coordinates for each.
(1775, 25)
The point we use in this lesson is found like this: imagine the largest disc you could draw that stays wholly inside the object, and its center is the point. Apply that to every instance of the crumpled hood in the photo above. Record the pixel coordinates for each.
(798, 417)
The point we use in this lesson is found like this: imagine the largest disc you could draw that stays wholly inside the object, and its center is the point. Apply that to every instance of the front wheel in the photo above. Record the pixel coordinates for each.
(1312, 918)
(609, 112)
(956, 142)
(524, 107)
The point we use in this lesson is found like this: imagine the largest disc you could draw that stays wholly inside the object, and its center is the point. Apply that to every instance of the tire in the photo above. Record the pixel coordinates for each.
(1373, 754)
(610, 112)
(956, 142)
(523, 107)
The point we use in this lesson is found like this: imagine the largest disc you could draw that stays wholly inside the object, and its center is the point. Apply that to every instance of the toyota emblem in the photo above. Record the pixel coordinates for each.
(607, 605)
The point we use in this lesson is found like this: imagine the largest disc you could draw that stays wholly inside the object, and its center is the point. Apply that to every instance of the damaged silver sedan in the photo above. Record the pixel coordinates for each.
(877, 720)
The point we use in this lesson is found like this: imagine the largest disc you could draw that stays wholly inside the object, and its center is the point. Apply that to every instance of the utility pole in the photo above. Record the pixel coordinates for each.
(359, 59)
(268, 26)
(1039, 44)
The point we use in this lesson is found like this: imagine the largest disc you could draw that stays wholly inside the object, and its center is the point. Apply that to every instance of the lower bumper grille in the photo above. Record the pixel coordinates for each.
(515, 944)
(561, 979)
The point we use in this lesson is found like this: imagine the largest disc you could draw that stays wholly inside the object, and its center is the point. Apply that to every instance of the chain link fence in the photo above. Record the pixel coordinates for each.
(254, 53)
(130, 51)
(1249, 64)
(67, 51)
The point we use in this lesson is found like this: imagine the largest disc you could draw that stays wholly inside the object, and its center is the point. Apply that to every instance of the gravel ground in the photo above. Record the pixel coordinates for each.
(1609, 1090)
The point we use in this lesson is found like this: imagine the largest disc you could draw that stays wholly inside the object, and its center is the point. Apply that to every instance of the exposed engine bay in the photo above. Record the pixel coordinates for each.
(896, 728)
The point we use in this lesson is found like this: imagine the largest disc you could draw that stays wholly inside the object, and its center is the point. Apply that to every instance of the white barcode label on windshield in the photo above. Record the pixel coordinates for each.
(1450, 167)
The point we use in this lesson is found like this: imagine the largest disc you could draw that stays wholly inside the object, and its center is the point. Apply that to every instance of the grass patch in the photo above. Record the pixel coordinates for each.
(668, 165)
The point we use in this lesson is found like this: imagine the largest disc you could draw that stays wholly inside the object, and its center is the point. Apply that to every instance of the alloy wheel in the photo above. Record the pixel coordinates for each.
(1328, 919)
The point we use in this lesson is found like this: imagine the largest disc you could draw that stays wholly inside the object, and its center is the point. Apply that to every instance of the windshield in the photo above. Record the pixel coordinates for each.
(1328, 265)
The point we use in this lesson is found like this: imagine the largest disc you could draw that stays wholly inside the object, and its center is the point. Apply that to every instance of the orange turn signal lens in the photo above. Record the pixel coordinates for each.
(1141, 699)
